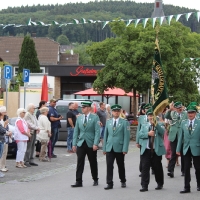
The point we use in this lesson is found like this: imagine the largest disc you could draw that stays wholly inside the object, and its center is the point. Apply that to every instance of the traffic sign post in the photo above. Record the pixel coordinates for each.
(26, 74)
(7, 77)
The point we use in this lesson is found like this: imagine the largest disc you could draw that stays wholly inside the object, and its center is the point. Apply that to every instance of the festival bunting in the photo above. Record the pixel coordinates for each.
(104, 23)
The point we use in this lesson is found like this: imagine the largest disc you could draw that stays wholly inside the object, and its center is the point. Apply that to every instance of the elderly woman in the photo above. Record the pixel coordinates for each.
(45, 132)
(22, 135)
(4, 123)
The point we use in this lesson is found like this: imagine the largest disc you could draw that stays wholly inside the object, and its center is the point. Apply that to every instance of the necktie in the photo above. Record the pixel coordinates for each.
(114, 126)
(85, 122)
(190, 127)
(150, 137)
(179, 116)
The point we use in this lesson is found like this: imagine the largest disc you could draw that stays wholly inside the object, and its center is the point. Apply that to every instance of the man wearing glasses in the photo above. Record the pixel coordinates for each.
(176, 115)
(85, 142)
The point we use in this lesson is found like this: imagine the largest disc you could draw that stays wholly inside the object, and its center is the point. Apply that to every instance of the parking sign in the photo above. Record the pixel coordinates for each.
(26, 73)
(8, 72)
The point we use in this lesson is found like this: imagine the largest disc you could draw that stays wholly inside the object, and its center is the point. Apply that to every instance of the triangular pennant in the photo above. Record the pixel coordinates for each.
(161, 19)
(145, 22)
(29, 22)
(105, 23)
(41, 23)
(129, 22)
(33, 23)
(55, 23)
(169, 19)
(136, 22)
(178, 16)
(187, 15)
(75, 21)
(83, 20)
(154, 21)
(198, 16)
(90, 21)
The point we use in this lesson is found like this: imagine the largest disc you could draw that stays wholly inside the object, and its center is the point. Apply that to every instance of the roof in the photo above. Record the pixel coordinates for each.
(47, 50)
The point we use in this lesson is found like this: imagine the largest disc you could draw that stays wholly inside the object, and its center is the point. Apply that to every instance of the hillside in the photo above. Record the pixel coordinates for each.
(103, 10)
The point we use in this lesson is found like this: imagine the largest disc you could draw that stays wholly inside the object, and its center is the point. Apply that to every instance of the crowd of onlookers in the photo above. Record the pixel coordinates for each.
(30, 126)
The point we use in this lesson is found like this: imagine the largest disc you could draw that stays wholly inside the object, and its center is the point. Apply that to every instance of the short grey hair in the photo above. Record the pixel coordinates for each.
(44, 109)
(30, 105)
(20, 110)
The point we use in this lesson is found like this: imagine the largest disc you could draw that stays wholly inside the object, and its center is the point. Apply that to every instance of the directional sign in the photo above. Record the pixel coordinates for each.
(26, 73)
(8, 72)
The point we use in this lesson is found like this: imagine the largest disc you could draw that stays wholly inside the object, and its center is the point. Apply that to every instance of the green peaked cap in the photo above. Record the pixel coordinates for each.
(86, 104)
(147, 106)
(193, 104)
(149, 111)
(192, 107)
(116, 107)
(178, 104)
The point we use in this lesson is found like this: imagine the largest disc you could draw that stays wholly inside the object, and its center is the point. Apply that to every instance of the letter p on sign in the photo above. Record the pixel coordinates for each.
(26, 73)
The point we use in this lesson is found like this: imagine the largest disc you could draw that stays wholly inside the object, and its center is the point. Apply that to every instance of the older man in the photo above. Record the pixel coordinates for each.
(32, 122)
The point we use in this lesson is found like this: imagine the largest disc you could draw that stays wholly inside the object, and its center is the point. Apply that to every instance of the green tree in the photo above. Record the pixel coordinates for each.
(62, 40)
(128, 59)
(28, 56)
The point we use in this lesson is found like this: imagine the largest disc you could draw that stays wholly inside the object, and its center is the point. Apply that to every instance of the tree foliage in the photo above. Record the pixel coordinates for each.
(62, 40)
(128, 59)
(28, 56)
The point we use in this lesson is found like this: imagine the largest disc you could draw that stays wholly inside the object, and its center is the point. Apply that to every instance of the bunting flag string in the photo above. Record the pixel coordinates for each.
(104, 23)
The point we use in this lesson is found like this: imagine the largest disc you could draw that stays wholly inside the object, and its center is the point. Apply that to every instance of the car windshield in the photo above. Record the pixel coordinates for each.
(62, 110)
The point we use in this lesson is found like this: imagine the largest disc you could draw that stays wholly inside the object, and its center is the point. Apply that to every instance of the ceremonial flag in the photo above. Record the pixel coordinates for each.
(159, 89)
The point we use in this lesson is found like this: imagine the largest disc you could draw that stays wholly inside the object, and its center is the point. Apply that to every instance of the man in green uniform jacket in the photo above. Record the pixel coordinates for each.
(189, 135)
(85, 142)
(176, 115)
(152, 149)
(115, 146)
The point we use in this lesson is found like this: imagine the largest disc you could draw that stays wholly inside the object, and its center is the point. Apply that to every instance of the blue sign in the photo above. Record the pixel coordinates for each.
(26, 73)
(8, 72)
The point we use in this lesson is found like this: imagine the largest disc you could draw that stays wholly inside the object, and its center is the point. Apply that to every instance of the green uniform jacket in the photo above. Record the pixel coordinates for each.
(158, 141)
(141, 120)
(89, 133)
(175, 123)
(189, 140)
(118, 139)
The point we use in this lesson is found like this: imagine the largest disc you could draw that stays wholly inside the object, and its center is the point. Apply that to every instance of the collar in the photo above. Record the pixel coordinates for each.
(117, 120)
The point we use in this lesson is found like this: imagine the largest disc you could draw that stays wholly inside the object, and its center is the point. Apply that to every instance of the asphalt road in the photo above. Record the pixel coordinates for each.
(52, 180)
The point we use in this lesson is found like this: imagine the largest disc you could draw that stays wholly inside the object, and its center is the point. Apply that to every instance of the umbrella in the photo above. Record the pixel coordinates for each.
(109, 93)
(44, 93)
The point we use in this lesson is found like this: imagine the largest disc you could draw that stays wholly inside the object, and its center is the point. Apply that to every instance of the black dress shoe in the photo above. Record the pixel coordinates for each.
(159, 187)
(95, 183)
(140, 175)
(33, 164)
(123, 185)
(198, 188)
(108, 187)
(183, 174)
(54, 156)
(27, 164)
(185, 191)
(77, 185)
(170, 174)
(143, 189)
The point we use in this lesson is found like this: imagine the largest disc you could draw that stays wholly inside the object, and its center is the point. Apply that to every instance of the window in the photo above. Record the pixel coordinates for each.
(157, 4)
(15, 72)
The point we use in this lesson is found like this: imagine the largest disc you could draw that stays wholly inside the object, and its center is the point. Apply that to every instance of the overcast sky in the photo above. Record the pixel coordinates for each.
(195, 4)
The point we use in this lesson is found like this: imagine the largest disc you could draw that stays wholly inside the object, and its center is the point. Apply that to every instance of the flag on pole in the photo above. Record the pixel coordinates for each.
(159, 88)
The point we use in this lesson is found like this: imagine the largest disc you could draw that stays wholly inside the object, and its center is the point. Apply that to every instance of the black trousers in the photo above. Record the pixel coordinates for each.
(187, 165)
(149, 159)
(110, 158)
(172, 161)
(92, 157)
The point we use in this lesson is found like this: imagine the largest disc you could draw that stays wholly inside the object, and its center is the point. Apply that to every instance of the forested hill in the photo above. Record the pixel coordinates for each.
(103, 10)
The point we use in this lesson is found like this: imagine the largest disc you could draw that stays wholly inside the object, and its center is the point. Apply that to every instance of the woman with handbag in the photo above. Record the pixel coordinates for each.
(45, 133)
(22, 135)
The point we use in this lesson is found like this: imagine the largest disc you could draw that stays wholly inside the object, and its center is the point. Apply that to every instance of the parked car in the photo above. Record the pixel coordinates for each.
(62, 108)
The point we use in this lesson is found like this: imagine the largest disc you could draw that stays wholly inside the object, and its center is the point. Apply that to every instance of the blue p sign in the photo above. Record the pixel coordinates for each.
(26, 73)
(7, 72)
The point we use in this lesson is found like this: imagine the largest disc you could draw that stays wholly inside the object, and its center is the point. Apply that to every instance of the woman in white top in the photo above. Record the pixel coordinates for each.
(45, 132)
(21, 135)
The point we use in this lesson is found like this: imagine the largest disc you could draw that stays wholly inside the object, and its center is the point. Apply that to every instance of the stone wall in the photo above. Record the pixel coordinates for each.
(133, 133)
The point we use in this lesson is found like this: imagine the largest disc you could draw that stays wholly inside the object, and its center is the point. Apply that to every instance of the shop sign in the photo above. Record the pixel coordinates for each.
(84, 71)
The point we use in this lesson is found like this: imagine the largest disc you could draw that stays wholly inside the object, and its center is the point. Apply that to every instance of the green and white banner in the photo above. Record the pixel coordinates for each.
(104, 23)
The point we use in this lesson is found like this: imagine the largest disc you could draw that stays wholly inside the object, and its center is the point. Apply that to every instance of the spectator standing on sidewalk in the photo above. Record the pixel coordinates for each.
(102, 116)
(32, 122)
(71, 121)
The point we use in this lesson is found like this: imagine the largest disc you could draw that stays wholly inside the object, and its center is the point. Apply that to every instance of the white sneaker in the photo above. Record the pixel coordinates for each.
(4, 169)
(2, 175)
